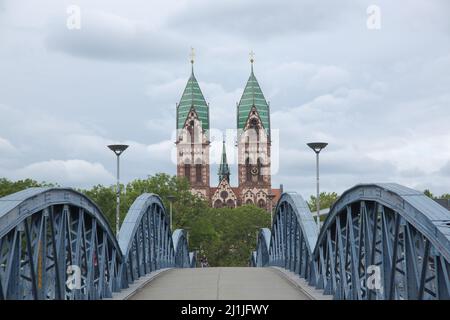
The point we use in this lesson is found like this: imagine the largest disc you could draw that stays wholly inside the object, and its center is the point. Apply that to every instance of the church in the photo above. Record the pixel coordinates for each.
(253, 144)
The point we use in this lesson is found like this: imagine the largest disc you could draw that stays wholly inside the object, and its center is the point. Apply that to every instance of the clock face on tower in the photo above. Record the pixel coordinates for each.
(254, 171)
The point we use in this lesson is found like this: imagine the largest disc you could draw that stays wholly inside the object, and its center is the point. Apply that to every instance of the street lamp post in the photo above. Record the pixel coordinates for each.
(317, 147)
(271, 196)
(118, 149)
(171, 200)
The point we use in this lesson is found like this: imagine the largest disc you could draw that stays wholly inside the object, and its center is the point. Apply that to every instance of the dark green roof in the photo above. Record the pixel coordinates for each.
(224, 170)
(192, 97)
(253, 96)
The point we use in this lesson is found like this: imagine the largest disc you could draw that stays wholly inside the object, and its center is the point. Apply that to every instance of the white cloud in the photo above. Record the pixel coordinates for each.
(6, 146)
(67, 172)
(108, 36)
(328, 78)
(259, 19)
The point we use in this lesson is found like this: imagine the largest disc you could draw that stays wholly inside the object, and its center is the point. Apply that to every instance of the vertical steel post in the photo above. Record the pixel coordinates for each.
(118, 197)
(317, 147)
(318, 193)
(171, 225)
(118, 149)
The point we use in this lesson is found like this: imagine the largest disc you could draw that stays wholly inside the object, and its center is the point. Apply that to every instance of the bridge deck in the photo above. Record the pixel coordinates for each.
(220, 284)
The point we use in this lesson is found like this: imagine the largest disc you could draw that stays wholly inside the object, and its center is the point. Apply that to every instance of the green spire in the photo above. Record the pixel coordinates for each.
(253, 96)
(192, 98)
(224, 170)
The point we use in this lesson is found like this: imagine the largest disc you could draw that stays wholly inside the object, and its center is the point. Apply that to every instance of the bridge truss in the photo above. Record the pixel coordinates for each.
(379, 241)
(56, 244)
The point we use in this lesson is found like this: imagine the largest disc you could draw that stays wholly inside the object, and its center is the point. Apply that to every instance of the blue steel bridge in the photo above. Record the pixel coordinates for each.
(379, 241)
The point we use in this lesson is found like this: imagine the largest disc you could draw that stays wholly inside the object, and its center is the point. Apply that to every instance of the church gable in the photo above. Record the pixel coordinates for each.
(254, 121)
(192, 131)
(224, 196)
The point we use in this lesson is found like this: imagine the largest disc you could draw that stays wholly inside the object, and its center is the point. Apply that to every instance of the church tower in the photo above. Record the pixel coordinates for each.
(193, 137)
(224, 195)
(253, 141)
(224, 169)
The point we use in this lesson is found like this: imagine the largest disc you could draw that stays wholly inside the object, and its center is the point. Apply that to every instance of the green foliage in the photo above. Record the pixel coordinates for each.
(326, 200)
(225, 236)
(228, 236)
(105, 198)
(184, 207)
(429, 194)
(8, 187)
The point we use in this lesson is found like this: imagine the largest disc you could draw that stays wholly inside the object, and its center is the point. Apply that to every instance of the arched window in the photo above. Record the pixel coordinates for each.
(218, 204)
(198, 172)
(260, 173)
(248, 170)
(230, 203)
(249, 201)
(254, 126)
(261, 203)
(191, 131)
(252, 133)
(187, 171)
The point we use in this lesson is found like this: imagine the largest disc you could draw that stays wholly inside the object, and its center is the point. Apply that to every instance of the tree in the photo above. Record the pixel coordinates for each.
(428, 193)
(326, 200)
(225, 236)
(161, 184)
(9, 187)
(228, 236)
(105, 199)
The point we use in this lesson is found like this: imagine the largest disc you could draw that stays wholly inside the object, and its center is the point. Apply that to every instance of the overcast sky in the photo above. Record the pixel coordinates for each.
(380, 97)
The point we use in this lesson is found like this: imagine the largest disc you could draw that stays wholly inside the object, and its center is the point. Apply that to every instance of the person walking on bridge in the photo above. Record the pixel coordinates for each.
(203, 262)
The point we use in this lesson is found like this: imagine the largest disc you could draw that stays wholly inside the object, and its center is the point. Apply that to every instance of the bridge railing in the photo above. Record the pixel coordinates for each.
(56, 244)
(291, 241)
(379, 241)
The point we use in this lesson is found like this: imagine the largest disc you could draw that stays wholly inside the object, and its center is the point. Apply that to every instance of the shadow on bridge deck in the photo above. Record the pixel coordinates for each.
(220, 284)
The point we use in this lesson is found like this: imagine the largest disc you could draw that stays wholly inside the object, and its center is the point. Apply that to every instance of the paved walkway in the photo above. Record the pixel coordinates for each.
(220, 284)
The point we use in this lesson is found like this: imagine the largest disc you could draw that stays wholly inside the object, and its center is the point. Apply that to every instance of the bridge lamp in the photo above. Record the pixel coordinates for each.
(317, 147)
(118, 149)
(171, 200)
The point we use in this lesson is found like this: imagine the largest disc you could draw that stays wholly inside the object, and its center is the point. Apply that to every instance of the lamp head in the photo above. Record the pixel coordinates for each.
(317, 146)
(171, 198)
(118, 148)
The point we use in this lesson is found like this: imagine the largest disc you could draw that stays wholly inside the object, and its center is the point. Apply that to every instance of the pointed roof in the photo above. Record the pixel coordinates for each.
(253, 96)
(224, 169)
(192, 98)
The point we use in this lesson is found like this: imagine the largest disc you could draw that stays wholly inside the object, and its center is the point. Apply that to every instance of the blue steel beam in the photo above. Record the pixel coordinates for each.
(379, 241)
(56, 244)
(46, 231)
(291, 242)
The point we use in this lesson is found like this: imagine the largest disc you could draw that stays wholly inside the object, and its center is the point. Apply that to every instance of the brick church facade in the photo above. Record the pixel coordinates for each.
(253, 146)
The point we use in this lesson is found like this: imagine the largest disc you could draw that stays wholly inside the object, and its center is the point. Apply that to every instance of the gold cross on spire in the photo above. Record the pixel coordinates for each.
(192, 55)
(252, 56)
